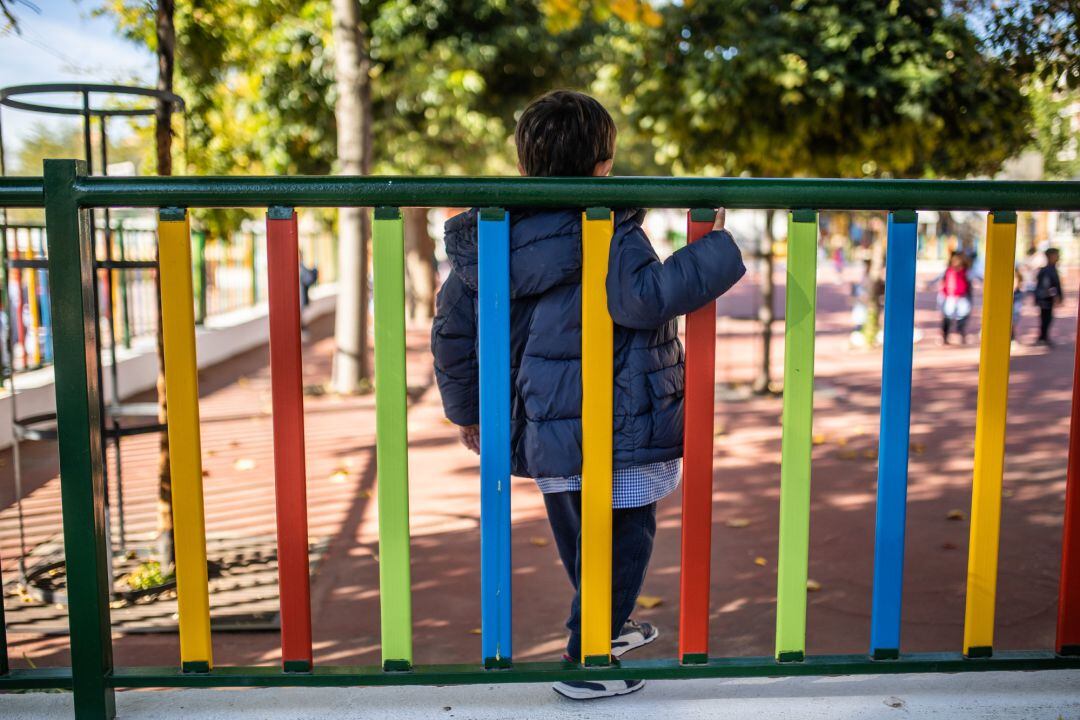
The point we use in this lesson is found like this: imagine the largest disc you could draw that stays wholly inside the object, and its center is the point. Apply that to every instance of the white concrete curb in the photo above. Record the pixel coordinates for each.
(1052, 695)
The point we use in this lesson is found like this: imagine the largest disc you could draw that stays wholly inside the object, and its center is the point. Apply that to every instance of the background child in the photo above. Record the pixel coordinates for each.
(954, 297)
(1047, 295)
(570, 134)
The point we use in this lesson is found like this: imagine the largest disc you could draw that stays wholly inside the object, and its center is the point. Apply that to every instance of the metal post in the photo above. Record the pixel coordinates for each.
(91, 220)
(199, 236)
(112, 416)
(78, 413)
(125, 309)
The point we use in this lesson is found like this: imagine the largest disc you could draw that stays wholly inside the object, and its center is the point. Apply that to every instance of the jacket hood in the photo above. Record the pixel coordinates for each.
(545, 247)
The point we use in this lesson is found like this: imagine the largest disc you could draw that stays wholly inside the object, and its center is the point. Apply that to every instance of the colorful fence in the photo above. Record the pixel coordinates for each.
(68, 194)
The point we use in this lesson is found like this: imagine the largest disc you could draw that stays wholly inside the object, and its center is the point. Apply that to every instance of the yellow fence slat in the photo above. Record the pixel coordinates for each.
(185, 453)
(990, 434)
(596, 428)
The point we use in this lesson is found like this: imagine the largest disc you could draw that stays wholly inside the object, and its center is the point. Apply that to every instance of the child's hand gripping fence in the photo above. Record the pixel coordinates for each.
(67, 196)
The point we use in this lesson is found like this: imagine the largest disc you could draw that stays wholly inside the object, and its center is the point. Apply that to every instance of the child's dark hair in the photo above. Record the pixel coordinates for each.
(564, 133)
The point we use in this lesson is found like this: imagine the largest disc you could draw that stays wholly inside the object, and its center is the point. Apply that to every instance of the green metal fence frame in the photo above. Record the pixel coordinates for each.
(67, 193)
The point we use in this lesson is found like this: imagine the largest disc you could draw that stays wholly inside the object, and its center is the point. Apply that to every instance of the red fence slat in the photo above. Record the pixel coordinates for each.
(697, 468)
(290, 476)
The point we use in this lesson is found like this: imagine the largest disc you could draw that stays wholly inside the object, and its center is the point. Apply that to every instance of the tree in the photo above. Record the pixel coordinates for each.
(849, 88)
(266, 96)
(1039, 38)
(165, 48)
(352, 111)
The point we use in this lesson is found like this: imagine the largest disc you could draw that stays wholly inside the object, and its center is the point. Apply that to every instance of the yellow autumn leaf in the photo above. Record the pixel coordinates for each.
(475, 631)
(812, 585)
(649, 601)
(539, 541)
(339, 476)
(818, 439)
(760, 561)
(956, 515)
(736, 522)
(244, 464)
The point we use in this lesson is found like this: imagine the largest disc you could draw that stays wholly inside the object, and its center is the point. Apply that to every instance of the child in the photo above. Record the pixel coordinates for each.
(954, 298)
(570, 134)
(1047, 295)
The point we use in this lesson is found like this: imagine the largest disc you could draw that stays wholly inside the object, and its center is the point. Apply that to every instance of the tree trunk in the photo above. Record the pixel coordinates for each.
(351, 370)
(765, 312)
(421, 276)
(166, 52)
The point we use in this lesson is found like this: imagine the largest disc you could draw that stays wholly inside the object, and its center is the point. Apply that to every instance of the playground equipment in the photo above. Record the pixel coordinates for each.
(32, 326)
(69, 194)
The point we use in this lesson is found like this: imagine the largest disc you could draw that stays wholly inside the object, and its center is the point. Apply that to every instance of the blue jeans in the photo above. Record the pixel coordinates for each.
(632, 530)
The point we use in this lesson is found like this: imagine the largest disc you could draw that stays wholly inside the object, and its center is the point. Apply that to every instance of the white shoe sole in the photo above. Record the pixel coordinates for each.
(619, 652)
(575, 694)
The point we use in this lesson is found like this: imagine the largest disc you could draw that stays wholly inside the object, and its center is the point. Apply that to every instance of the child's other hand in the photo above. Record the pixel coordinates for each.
(470, 437)
(721, 216)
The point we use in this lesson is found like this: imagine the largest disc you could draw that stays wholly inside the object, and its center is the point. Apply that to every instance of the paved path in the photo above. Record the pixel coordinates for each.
(974, 696)
(444, 497)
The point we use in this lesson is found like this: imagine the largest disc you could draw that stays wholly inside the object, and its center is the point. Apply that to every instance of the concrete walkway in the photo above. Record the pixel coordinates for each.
(1051, 694)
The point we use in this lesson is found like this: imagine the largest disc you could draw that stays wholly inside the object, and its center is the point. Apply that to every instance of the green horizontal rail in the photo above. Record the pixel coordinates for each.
(660, 192)
(37, 679)
(551, 671)
(22, 192)
(466, 674)
(682, 192)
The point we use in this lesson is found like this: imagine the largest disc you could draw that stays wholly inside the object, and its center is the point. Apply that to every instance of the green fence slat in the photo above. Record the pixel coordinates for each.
(78, 418)
(797, 421)
(391, 432)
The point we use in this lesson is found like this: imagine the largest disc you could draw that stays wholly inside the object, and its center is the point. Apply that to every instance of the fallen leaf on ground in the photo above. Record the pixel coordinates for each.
(956, 515)
(841, 441)
(760, 561)
(540, 541)
(1008, 492)
(819, 439)
(848, 454)
(475, 631)
(649, 601)
(812, 585)
(205, 473)
(339, 476)
(918, 448)
(737, 522)
(720, 430)
(242, 381)
(870, 454)
(244, 464)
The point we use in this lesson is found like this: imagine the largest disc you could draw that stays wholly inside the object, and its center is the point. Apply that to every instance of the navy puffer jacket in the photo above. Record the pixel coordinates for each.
(645, 297)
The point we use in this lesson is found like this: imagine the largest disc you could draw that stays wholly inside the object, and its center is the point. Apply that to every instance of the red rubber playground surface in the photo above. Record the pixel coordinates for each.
(444, 496)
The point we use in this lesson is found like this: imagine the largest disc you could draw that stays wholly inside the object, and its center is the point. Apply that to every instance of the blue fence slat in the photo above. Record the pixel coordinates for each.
(494, 351)
(894, 436)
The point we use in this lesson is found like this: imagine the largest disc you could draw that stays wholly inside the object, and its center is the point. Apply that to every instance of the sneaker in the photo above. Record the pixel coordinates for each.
(633, 635)
(593, 689)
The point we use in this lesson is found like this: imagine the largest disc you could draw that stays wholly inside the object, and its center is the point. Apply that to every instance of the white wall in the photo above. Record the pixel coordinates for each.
(223, 337)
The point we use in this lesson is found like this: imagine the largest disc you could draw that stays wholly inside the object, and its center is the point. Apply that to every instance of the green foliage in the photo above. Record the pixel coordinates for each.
(819, 87)
(1039, 38)
(45, 142)
(802, 87)
(147, 575)
(1055, 137)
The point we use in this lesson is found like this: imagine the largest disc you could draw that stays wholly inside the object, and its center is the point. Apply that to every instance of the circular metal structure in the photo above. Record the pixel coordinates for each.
(9, 94)
(42, 427)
